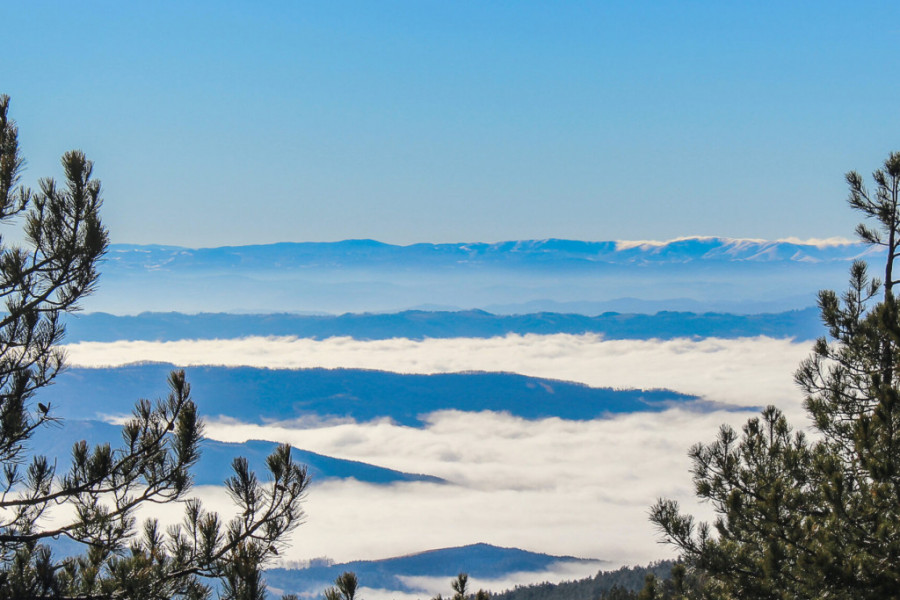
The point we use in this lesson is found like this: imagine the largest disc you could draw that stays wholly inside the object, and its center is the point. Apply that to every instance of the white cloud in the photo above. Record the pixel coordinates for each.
(746, 371)
(562, 487)
(551, 485)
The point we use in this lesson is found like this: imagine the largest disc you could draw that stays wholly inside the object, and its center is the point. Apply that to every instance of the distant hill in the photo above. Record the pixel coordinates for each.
(102, 327)
(365, 275)
(264, 395)
(478, 560)
(216, 457)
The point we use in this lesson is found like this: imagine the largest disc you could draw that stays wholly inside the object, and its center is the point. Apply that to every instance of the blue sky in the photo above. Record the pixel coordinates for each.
(216, 123)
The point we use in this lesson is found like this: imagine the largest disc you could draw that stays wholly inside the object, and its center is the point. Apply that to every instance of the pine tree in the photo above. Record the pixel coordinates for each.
(40, 280)
(801, 518)
(460, 587)
(344, 587)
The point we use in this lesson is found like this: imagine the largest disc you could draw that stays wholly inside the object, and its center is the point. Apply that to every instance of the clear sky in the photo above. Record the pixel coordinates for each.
(219, 123)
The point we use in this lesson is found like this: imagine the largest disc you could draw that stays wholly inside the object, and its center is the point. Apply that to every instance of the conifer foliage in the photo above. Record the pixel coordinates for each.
(460, 587)
(815, 516)
(344, 587)
(93, 503)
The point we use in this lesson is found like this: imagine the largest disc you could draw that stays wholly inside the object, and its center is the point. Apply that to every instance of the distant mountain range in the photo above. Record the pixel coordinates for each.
(371, 253)
(253, 395)
(365, 275)
(101, 327)
(483, 561)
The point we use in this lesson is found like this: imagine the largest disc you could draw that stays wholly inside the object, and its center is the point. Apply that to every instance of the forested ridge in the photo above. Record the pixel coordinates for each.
(620, 584)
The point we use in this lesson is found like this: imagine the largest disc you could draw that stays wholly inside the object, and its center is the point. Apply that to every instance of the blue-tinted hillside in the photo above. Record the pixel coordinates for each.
(216, 457)
(263, 395)
(478, 560)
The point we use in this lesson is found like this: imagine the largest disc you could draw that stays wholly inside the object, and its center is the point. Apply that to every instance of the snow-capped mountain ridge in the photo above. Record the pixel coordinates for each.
(372, 276)
(353, 253)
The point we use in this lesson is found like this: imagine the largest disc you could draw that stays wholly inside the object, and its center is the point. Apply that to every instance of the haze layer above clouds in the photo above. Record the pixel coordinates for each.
(515, 277)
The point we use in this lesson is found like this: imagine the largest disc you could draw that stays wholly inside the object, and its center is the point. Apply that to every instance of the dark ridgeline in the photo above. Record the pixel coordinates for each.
(260, 396)
(417, 325)
(482, 561)
(625, 583)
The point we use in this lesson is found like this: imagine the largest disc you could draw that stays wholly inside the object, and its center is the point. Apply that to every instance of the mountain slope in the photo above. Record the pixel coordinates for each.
(263, 395)
(478, 560)
(216, 457)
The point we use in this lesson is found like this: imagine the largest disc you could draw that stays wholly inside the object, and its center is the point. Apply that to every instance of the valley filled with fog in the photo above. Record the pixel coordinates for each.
(547, 433)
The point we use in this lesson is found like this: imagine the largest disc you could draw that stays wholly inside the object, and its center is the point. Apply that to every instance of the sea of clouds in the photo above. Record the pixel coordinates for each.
(746, 371)
(580, 488)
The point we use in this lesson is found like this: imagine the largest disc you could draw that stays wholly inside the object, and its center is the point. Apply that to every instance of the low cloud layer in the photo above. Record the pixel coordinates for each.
(550, 485)
(561, 487)
(745, 371)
